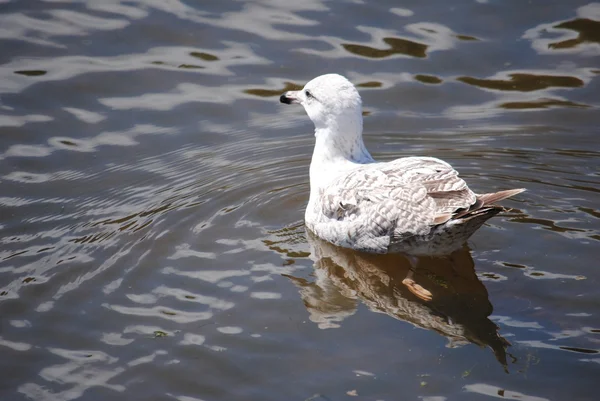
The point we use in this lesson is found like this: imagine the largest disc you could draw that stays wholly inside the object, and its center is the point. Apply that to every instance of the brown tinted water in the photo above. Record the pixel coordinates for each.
(153, 189)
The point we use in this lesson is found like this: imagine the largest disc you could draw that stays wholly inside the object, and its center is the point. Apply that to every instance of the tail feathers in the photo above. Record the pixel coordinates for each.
(492, 198)
(485, 203)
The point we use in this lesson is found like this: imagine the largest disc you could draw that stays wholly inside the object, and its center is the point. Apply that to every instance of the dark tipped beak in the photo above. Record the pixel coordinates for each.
(289, 98)
(284, 99)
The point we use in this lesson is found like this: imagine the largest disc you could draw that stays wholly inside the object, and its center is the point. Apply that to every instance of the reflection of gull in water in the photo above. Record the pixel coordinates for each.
(416, 205)
(458, 309)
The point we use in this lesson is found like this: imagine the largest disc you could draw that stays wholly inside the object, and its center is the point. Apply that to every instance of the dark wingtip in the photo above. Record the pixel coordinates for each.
(284, 99)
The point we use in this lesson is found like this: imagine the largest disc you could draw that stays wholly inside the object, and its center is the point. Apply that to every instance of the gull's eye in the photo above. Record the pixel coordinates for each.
(307, 93)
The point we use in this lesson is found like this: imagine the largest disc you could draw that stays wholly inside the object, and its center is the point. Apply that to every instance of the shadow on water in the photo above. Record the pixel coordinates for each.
(458, 309)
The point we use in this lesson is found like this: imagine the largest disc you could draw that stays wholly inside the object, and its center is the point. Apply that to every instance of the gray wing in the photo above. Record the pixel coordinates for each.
(449, 192)
(401, 198)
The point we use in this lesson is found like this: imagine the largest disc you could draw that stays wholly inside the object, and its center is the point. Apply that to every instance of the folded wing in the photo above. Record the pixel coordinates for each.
(402, 198)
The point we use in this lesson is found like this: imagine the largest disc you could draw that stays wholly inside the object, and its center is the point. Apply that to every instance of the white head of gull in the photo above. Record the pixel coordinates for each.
(415, 205)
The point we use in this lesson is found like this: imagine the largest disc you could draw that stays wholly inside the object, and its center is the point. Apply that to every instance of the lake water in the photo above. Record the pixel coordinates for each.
(153, 191)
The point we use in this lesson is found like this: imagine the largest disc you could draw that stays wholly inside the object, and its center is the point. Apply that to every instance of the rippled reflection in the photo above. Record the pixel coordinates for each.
(578, 35)
(497, 392)
(588, 32)
(428, 79)
(396, 46)
(524, 90)
(525, 82)
(540, 104)
(31, 73)
(458, 309)
(153, 191)
(430, 37)
(288, 86)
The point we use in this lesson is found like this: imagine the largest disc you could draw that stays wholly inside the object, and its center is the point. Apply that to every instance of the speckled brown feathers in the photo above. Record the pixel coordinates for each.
(419, 201)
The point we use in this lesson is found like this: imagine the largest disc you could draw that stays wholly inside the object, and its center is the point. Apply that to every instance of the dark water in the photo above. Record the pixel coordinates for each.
(153, 191)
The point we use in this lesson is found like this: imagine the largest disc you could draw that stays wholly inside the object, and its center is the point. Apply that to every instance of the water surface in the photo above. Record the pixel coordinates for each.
(153, 191)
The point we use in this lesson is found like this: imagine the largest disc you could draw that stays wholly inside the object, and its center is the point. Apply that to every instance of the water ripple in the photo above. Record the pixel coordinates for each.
(154, 189)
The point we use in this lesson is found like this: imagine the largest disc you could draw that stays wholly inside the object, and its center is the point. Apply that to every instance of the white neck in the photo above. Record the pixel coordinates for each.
(339, 147)
(340, 139)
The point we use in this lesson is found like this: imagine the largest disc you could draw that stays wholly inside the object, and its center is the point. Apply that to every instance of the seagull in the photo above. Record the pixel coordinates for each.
(413, 205)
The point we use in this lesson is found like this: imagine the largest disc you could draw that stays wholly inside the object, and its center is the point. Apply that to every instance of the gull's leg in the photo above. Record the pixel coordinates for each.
(412, 286)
